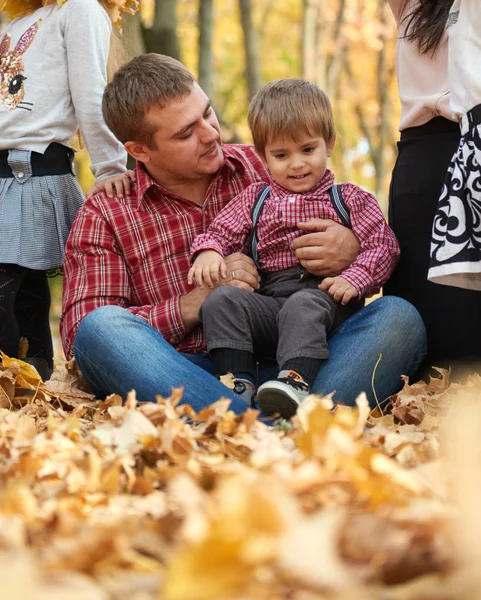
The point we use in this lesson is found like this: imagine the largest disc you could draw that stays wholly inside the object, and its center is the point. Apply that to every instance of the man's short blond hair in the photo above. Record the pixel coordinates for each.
(287, 108)
(145, 81)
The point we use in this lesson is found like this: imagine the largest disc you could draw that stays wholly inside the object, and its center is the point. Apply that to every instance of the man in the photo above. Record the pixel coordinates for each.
(129, 317)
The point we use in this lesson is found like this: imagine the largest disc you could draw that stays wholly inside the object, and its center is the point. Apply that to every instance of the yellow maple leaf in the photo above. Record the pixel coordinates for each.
(27, 376)
(19, 8)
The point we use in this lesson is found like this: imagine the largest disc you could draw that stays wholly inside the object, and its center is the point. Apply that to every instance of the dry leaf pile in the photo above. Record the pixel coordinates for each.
(101, 500)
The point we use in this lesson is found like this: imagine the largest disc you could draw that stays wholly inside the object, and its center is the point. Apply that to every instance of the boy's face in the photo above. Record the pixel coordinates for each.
(298, 165)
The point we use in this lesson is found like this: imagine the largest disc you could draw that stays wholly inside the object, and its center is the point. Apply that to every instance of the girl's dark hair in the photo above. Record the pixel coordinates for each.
(426, 23)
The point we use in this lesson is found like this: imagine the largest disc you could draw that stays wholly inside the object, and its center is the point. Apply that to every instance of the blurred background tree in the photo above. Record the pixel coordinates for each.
(233, 47)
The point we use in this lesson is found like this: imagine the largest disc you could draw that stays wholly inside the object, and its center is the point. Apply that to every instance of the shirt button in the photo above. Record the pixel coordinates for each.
(20, 174)
(291, 199)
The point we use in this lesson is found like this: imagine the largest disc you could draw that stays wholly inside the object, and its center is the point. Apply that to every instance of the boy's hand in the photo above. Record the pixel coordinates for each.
(117, 185)
(209, 267)
(339, 288)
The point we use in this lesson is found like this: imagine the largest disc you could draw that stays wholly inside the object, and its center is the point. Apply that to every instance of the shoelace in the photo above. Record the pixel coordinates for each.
(299, 385)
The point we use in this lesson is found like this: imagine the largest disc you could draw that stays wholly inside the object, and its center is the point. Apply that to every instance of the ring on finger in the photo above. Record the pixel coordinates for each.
(233, 274)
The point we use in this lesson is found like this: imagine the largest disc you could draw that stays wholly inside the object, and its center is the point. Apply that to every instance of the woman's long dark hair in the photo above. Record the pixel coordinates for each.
(426, 22)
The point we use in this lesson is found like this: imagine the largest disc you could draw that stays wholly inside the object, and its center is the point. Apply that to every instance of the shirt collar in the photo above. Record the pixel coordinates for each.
(145, 181)
(230, 161)
(321, 187)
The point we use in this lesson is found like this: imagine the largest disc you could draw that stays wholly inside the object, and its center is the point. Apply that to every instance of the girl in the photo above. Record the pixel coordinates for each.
(429, 138)
(53, 71)
(456, 243)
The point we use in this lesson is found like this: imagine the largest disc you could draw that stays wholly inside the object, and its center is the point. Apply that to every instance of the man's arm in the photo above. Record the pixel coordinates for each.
(327, 248)
(95, 275)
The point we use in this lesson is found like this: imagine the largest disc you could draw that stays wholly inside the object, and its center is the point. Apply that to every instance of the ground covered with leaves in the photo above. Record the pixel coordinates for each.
(105, 500)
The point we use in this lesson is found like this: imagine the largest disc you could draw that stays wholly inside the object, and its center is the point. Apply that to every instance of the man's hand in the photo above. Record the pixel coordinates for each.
(117, 185)
(327, 248)
(241, 272)
(209, 267)
(339, 288)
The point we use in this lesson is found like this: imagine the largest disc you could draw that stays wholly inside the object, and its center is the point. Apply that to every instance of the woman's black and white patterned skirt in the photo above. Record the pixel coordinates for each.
(456, 238)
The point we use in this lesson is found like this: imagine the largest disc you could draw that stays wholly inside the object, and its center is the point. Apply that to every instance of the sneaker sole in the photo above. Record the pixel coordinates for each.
(272, 401)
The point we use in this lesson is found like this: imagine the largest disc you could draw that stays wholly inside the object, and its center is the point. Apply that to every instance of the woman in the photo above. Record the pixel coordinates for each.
(429, 138)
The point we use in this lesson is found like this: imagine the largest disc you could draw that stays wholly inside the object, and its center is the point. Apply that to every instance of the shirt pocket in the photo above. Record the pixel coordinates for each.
(289, 211)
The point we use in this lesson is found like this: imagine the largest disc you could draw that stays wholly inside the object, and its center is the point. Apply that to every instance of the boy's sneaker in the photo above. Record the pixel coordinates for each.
(282, 395)
(246, 391)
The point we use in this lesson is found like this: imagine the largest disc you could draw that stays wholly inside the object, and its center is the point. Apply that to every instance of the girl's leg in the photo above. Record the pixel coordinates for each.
(32, 311)
(11, 278)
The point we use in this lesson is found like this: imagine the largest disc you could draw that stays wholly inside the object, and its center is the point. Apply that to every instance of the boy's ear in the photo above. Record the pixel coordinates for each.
(330, 145)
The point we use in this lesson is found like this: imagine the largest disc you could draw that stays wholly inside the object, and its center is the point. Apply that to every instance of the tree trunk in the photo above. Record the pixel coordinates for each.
(132, 36)
(309, 58)
(162, 37)
(383, 104)
(250, 48)
(206, 59)
(334, 59)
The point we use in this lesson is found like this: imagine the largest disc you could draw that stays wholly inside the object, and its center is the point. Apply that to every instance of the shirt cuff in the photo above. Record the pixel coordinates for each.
(360, 279)
(172, 328)
(202, 246)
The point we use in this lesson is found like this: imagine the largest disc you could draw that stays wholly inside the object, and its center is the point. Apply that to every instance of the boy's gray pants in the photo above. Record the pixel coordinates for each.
(288, 318)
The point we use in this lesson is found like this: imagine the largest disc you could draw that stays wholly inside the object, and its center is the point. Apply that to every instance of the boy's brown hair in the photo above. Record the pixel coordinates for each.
(286, 108)
(145, 81)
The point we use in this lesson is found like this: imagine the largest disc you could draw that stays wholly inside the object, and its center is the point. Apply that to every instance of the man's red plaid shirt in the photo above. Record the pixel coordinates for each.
(135, 252)
(277, 228)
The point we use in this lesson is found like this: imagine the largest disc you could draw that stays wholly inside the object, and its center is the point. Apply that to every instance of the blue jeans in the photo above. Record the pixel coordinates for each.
(117, 352)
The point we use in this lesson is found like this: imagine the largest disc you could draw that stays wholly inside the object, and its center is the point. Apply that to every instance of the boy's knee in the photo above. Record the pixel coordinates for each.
(305, 300)
(222, 296)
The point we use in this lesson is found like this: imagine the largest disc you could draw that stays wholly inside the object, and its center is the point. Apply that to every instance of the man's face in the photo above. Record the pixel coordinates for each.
(186, 145)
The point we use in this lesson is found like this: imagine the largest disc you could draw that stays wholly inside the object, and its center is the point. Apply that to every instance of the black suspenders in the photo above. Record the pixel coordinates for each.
(335, 194)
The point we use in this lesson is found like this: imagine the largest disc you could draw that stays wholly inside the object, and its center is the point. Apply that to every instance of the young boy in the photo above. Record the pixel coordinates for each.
(293, 131)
